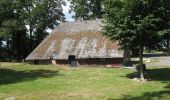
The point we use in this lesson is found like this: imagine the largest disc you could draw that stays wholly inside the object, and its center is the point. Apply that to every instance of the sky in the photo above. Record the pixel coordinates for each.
(66, 12)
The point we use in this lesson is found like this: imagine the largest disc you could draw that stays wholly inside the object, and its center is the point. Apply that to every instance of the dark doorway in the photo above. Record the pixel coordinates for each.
(36, 62)
(72, 61)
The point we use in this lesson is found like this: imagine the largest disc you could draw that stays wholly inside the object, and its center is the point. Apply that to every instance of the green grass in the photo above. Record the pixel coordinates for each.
(30, 82)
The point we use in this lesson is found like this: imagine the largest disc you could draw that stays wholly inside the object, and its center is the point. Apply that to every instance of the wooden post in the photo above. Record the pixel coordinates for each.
(13, 62)
(23, 61)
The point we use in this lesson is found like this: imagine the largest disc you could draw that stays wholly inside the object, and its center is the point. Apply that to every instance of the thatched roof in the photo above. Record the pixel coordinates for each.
(81, 38)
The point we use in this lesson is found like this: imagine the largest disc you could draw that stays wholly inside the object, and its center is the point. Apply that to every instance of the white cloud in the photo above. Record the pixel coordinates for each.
(66, 12)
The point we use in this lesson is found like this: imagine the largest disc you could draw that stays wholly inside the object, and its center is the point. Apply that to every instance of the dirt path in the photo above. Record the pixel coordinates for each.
(162, 61)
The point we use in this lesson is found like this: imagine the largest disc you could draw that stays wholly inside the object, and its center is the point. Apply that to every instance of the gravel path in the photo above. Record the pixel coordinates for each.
(162, 61)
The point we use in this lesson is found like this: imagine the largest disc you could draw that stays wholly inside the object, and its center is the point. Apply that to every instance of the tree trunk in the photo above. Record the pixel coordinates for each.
(31, 38)
(13, 47)
(8, 47)
(141, 61)
(168, 45)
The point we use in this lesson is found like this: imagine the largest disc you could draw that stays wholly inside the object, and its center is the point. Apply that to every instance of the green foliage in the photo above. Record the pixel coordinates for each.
(135, 23)
(40, 15)
(24, 23)
(130, 21)
(87, 9)
(6, 21)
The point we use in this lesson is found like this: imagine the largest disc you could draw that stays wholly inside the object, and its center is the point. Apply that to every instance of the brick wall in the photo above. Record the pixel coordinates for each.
(39, 62)
(93, 62)
(82, 62)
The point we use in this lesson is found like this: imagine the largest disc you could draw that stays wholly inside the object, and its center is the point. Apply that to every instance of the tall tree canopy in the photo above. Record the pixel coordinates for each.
(40, 15)
(87, 9)
(24, 23)
(135, 23)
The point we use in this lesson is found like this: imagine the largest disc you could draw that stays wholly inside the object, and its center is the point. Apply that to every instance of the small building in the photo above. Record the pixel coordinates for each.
(76, 44)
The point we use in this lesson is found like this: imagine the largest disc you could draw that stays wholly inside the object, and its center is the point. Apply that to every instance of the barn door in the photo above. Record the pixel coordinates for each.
(36, 62)
(72, 61)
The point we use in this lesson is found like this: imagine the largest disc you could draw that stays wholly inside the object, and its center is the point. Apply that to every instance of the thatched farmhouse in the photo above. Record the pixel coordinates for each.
(76, 44)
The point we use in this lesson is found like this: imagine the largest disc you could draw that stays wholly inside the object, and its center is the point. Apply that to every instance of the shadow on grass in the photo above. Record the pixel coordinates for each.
(146, 96)
(159, 74)
(9, 76)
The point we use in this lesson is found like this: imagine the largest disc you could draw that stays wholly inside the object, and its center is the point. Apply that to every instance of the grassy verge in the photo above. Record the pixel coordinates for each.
(30, 82)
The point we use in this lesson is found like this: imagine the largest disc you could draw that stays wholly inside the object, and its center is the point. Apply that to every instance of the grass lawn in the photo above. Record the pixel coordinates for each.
(30, 82)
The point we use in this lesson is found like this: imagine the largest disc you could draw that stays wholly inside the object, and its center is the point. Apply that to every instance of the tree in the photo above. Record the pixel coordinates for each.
(87, 9)
(51, 15)
(133, 23)
(165, 34)
(8, 24)
(23, 23)
(40, 15)
(165, 37)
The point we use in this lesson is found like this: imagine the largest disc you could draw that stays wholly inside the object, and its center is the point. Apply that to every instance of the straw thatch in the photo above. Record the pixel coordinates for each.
(81, 38)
